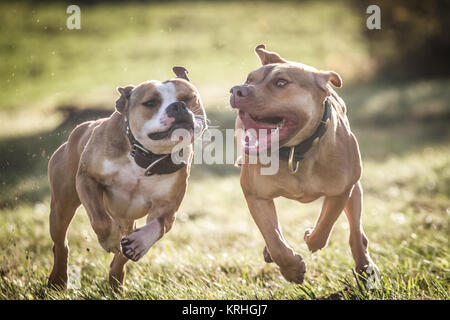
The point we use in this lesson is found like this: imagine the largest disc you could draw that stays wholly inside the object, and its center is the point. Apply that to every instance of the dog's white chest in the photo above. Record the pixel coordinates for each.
(129, 193)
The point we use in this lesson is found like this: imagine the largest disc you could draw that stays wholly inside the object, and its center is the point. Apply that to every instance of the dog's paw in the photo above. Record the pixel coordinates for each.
(134, 246)
(131, 248)
(294, 271)
(266, 255)
(370, 275)
(314, 242)
(57, 281)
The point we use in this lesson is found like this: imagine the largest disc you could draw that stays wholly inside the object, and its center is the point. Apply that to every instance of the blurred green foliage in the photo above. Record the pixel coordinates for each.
(413, 40)
(44, 62)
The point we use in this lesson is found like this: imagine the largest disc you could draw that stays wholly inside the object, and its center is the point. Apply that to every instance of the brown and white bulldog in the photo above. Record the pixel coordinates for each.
(120, 169)
(319, 157)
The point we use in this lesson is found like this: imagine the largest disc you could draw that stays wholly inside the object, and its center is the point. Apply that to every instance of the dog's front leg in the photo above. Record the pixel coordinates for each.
(90, 193)
(117, 269)
(117, 272)
(136, 245)
(291, 264)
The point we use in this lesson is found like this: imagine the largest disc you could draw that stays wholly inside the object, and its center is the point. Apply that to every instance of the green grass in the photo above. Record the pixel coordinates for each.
(214, 250)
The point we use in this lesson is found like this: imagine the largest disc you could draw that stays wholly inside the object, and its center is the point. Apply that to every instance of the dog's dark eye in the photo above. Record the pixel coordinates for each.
(151, 103)
(248, 81)
(281, 83)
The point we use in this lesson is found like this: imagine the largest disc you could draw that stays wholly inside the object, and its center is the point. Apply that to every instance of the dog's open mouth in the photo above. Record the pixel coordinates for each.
(278, 121)
(261, 132)
(182, 125)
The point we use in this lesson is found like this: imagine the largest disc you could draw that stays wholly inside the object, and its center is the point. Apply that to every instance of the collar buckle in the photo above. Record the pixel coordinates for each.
(291, 168)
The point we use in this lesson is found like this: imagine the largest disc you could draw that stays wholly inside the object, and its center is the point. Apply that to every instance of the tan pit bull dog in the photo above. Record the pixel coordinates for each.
(120, 169)
(319, 157)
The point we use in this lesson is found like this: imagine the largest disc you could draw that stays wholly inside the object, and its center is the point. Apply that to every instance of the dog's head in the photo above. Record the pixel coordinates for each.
(155, 110)
(281, 97)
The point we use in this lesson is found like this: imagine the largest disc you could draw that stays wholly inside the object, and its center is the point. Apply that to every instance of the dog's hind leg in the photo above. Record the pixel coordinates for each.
(64, 202)
(358, 240)
(317, 238)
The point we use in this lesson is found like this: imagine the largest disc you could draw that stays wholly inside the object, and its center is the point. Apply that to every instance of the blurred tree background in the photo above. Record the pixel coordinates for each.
(414, 38)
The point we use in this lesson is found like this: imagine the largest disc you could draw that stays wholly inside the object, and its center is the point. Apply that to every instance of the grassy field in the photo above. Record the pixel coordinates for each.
(214, 250)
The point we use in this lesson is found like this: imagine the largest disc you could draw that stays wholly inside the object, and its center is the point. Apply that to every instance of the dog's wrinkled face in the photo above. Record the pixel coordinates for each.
(155, 111)
(281, 98)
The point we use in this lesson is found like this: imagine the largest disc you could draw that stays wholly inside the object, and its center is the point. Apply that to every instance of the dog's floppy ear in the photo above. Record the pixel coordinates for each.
(181, 72)
(323, 77)
(268, 57)
(125, 93)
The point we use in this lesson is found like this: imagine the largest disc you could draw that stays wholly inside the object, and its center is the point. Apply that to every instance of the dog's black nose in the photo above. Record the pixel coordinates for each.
(177, 109)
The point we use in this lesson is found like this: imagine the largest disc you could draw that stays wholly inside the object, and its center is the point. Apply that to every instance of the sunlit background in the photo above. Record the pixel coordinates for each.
(397, 90)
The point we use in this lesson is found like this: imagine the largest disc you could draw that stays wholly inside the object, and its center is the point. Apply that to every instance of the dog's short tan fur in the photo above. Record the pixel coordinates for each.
(331, 168)
(94, 168)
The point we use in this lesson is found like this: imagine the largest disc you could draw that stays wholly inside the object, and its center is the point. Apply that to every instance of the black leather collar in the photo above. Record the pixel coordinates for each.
(153, 163)
(303, 147)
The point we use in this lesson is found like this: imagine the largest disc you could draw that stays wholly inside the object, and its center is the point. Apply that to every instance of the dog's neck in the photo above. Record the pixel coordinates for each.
(298, 151)
(153, 163)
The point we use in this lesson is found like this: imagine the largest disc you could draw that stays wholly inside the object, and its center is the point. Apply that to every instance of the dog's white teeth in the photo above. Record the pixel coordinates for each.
(252, 139)
(252, 135)
(275, 133)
